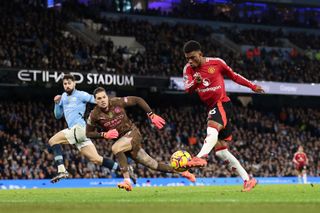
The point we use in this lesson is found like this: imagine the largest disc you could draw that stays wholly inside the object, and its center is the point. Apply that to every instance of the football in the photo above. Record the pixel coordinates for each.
(179, 159)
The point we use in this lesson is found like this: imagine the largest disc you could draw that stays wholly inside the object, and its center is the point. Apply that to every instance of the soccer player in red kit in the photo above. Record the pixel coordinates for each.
(204, 75)
(300, 161)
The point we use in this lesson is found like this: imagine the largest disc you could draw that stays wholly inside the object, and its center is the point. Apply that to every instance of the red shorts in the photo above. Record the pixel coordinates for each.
(301, 167)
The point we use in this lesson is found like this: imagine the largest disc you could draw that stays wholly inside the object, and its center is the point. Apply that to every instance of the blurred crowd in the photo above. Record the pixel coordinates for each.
(164, 54)
(263, 140)
(37, 38)
(33, 37)
(267, 14)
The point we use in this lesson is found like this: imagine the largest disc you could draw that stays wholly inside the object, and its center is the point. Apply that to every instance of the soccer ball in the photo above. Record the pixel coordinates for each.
(179, 159)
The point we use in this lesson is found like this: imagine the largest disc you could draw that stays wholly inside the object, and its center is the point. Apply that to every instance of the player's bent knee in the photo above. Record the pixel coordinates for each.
(93, 157)
(221, 145)
(116, 149)
(96, 160)
(219, 154)
(58, 138)
(215, 125)
(52, 141)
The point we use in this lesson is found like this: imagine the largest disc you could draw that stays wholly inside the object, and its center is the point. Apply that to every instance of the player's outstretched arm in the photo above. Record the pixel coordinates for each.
(134, 100)
(158, 121)
(155, 119)
(259, 89)
(239, 79)
(58, 109)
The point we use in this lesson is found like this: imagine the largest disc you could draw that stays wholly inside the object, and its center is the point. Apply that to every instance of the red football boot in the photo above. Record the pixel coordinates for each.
(189, 176)
(249, 184)
(125, 185)
(196, 162)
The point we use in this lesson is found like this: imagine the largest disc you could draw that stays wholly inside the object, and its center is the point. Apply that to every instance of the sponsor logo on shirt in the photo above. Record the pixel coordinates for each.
(114, 122)
(209, 89)
(206, 82)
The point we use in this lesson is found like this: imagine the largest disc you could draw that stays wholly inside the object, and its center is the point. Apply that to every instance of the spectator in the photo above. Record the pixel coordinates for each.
(249, 54)
(256, 55)
(263, 142)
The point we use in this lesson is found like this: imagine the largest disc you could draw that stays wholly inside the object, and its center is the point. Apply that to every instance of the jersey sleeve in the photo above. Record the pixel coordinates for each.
(188, 80)
(123, 101)
(133, 101)
(87, 98)
(239, 79)
(92, 125)
(91, 119)
(58, 110)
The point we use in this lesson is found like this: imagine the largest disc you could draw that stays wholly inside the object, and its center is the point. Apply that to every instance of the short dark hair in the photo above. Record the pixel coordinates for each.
(97, 90)
(191, 46)
(68, 76)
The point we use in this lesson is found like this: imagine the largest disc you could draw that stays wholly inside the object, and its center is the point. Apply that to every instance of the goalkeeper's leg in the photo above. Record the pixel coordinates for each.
(141, 156)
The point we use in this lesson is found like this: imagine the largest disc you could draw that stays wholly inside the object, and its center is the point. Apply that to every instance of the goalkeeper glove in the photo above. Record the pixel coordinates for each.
(111, 134)
(156, 120)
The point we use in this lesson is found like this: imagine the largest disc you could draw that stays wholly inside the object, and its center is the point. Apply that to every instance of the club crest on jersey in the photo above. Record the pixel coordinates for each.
(211, 70)
(205, 82)
(110, 114)
(72, 99)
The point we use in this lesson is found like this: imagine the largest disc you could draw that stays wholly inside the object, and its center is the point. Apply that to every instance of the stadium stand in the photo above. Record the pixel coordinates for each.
(52, 47)
(263, 141)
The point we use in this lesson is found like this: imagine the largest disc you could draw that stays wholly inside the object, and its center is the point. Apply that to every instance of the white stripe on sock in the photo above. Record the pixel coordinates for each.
(115, 167)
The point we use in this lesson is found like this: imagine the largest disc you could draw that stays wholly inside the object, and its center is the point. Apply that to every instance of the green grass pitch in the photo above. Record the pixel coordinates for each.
(219, 199)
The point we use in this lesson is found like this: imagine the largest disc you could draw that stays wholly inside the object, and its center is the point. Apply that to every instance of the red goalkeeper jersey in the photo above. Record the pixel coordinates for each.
(212, 88)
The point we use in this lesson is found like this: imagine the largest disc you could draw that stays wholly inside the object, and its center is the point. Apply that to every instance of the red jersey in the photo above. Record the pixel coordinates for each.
(301, 158)
(212, 88)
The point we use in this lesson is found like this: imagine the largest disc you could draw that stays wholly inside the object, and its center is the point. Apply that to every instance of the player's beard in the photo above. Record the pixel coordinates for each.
(69, 92)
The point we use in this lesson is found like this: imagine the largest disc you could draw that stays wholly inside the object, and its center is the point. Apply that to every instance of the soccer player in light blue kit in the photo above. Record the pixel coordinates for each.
(72, 105)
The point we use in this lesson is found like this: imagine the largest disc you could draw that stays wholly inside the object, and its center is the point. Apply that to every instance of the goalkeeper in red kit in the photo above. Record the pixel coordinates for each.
(205, 76)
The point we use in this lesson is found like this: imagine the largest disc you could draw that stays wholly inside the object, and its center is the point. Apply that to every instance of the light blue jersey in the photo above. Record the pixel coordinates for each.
(73, 107)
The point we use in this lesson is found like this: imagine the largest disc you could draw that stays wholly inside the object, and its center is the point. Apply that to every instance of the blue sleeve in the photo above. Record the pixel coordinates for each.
(86, 97)
(58, 110)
